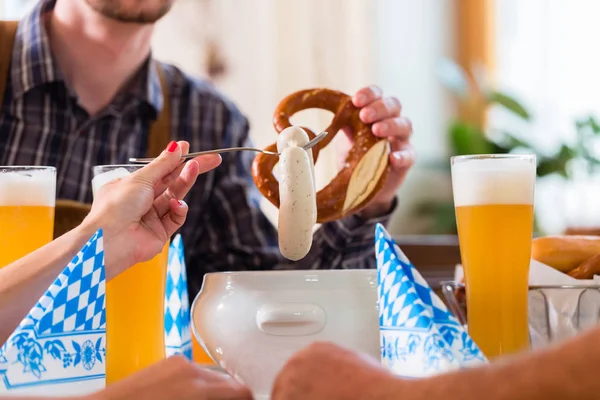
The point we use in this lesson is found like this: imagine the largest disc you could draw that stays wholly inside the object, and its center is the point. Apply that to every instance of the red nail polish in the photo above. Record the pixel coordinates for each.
(172, 147)
(180, 203)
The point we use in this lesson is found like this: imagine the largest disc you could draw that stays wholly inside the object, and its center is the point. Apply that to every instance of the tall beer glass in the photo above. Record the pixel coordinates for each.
(493, 199)
(198, 354)
(134, 305)
(27, 200)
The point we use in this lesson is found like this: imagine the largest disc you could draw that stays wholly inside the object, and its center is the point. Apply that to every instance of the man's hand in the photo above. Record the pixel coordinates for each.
(384, 114)
(175, 378)
(325, 371)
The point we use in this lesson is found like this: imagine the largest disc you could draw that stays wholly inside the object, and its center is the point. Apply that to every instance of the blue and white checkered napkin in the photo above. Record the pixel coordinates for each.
(61, 341)
(60, 345)
(419, 336)
(178, 337)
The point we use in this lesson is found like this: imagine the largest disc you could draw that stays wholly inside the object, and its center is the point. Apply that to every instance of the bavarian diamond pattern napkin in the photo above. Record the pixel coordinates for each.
(62, 338)
(60, 345)
(419, 337)
(177, 310)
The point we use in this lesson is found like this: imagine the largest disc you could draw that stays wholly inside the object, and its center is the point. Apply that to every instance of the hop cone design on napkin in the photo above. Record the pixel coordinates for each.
(419, 336)
(60, 346)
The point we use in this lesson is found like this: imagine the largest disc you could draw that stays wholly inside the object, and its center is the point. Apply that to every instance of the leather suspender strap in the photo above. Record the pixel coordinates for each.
(159, 134)
(8, 30)
(69, 214)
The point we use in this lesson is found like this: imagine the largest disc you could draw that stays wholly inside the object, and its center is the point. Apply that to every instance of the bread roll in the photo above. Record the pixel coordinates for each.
(565, 252)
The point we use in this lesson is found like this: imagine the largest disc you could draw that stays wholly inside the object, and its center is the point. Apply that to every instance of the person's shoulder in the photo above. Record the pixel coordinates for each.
(198, 93)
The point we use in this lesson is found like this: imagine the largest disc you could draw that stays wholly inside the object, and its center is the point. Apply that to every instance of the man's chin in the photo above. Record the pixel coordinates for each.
(114, 10)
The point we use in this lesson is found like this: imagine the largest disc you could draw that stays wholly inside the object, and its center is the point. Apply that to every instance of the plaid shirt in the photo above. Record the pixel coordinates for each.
(41, 123)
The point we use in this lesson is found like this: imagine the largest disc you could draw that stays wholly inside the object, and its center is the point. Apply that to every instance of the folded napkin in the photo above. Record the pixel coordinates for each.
(559, 314)
(60, 347)
(61, 342)
(419, 336)
(178, 337)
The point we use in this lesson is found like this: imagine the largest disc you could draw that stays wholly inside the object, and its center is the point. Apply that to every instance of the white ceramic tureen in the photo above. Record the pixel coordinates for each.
(250, 323)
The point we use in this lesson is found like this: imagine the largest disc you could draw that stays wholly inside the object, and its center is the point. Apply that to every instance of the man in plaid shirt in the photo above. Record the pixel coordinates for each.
(82, 90)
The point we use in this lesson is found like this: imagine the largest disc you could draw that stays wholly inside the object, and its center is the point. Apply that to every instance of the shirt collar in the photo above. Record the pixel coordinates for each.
(145, 85)
(33, 64)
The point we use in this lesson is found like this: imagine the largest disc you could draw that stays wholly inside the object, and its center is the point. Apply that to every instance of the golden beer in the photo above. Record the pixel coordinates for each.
(198, 354)
(135, 328)
(135, 333)
(493, 197)
(27, 200)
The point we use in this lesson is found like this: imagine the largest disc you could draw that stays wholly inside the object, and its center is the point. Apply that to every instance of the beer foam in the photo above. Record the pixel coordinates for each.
(493, 181)
(28, 188)
(102, 179)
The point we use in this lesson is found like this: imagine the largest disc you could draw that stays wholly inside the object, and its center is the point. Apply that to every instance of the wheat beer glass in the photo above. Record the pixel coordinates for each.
(27, 200)
(493, 199)
(134, 304)
(198, 354)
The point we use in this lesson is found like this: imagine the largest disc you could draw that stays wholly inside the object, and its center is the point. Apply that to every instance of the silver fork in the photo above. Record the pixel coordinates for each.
(189, 156)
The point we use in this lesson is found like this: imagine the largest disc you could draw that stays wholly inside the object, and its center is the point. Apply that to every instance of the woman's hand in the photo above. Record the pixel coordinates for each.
(139, 213)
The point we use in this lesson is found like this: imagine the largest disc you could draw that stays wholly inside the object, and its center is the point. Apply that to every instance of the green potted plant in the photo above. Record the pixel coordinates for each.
(470, 134)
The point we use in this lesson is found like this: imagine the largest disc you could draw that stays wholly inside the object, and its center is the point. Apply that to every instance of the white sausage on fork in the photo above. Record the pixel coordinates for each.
(297, 194)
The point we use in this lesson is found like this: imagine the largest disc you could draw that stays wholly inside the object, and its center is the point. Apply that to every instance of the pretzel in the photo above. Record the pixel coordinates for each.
(357, 182)
(587, 269)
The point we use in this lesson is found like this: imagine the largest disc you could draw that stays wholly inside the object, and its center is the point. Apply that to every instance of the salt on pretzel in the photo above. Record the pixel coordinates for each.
(365, 168)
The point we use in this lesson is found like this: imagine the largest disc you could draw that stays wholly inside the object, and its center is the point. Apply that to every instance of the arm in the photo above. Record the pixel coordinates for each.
(565, 372)
(38, 398)
(138, 214)
(23, 282)
(172, 378)
(324, 371)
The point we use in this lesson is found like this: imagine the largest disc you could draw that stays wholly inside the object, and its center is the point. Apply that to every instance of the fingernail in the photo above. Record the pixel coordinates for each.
(368, 114)
(381, 128)
(377, 90)
(407, 123)
(402, 155)
(172, 146)
(180, 203)
(361, 99)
